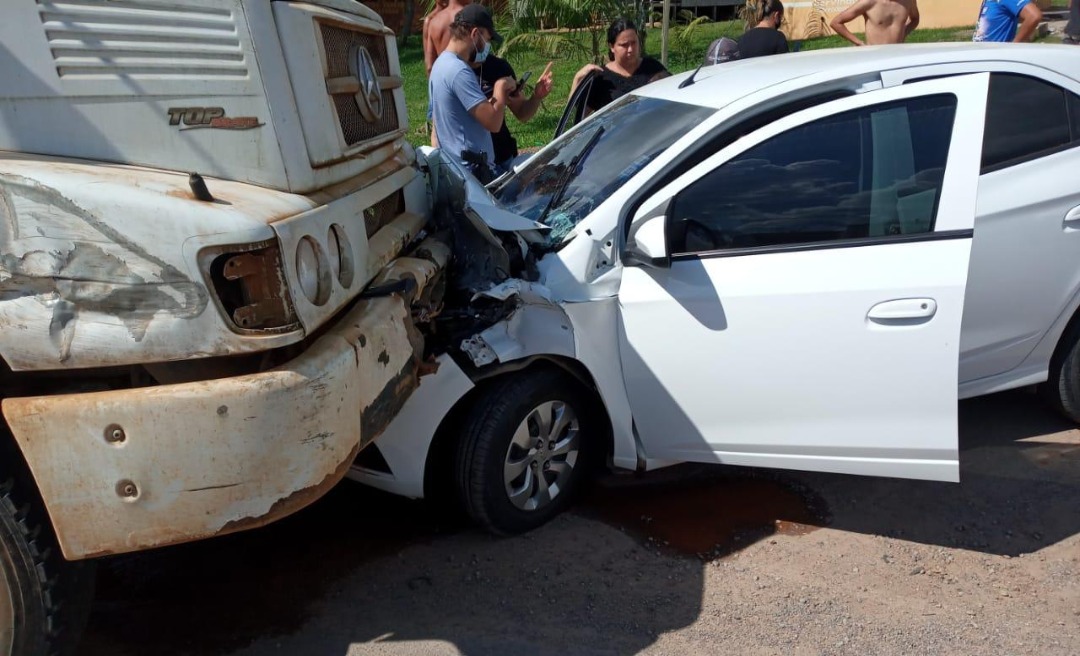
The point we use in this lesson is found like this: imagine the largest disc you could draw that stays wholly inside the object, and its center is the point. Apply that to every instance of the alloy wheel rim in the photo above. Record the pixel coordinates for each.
(541, 456)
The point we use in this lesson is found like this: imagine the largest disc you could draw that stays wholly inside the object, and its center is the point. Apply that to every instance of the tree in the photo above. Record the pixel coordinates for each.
(410, 17)
(551, 25)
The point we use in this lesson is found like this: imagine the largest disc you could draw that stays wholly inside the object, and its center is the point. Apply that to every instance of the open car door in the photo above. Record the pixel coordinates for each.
(797, 296)
(575, 107)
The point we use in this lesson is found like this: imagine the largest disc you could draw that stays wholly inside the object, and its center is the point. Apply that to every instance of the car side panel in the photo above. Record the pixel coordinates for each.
(1024, 263)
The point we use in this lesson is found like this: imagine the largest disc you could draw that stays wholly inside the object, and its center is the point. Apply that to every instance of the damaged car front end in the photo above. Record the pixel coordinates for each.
(531, 309)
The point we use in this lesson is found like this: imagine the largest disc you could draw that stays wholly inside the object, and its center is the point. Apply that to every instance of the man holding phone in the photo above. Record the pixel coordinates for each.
(491, 70)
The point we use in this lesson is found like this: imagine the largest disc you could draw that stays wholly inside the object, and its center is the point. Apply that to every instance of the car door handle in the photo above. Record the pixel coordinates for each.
(1072, 220)
(903, 311)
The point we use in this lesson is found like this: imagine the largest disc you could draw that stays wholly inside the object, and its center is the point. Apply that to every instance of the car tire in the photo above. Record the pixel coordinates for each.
(1062, 388)
(44, 600)
(528, 444)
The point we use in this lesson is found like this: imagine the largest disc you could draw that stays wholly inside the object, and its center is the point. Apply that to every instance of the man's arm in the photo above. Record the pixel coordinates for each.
(1030, 17)
(491, 114)
(429, 60)
(839, 24)
(913, 19)
(524, 109)
(431, 52)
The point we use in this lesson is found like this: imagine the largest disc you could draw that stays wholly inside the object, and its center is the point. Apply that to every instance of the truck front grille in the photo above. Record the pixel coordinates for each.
(338, 42)
(383, 212)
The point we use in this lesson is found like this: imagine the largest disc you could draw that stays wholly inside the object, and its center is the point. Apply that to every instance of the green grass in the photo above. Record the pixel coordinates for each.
(539, 131)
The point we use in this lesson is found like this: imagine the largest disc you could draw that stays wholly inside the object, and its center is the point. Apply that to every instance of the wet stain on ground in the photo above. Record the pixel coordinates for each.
(249, 585)
(706, 514)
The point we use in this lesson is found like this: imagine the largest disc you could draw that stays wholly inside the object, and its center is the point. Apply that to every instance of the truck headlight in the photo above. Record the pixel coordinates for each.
(312, 271)
(250, 287)
(341, 258)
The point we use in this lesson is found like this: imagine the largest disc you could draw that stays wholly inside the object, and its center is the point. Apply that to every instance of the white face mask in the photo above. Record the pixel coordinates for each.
(482, 54)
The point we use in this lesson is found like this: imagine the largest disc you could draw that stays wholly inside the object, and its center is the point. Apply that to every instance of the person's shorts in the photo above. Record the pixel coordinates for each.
(430, 111)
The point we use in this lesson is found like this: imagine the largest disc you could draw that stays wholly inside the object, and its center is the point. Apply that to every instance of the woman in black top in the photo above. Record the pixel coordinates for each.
(765, 38)
(627, 69)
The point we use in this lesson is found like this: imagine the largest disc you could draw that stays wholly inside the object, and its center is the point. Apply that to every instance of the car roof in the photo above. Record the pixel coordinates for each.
(716, 86)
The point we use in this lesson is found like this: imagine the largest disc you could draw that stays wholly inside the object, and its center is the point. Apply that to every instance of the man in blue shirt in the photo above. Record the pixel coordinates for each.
(997, 20)
(464, 118)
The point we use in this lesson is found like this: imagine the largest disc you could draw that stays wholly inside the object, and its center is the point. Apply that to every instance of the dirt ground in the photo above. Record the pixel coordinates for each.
(683, 561)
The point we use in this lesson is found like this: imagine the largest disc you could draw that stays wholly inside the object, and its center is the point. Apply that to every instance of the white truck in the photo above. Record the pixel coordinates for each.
(194, 197)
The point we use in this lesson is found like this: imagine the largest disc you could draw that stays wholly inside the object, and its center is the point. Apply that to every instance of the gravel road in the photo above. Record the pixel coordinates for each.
(683, 561)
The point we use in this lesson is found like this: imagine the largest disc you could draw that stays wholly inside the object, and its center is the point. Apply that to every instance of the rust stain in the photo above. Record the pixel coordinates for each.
(265, 212)
(376, 417)
(295, 501)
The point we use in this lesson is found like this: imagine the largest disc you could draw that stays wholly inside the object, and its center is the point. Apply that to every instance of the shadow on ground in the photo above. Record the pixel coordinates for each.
(361, 566)
(1019, 485)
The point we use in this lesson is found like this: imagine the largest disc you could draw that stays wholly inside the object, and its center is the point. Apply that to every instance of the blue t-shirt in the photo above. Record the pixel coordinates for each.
(454, 91)
(997, 20)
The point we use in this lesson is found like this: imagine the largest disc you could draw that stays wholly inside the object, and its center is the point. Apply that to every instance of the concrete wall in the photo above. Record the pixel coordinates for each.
(810, 18)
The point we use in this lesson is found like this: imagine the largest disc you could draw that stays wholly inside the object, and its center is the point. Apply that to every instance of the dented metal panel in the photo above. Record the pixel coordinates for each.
(98, 264)
(132, 469)
(109, 265)
(539, 325)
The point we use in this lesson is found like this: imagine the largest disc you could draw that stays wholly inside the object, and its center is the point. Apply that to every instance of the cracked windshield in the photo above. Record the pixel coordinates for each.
(560, 186)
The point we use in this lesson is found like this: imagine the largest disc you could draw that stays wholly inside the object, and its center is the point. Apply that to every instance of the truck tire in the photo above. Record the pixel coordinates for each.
(528, 444)
(44, 600)
(1062, 388)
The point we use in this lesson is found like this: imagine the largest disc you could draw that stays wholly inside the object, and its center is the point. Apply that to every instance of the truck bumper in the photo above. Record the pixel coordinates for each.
(132, 469)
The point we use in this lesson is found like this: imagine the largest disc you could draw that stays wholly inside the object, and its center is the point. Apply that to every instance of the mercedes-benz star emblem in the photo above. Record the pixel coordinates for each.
(369, 97)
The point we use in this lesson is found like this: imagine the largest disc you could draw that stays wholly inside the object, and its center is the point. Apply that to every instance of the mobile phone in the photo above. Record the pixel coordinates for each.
(521, 82)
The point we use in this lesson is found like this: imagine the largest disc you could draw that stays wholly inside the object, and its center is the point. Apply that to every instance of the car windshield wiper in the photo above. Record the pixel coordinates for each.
(567, 175)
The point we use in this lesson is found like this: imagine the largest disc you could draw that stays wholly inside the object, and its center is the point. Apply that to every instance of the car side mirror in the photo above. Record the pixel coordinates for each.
(646, 245)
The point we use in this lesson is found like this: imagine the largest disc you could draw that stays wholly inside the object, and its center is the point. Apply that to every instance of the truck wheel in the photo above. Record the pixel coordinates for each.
(527, 445)
(44, 600)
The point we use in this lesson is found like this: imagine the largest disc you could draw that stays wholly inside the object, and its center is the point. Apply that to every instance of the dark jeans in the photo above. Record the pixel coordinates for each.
(478, 165)
(1073, 28)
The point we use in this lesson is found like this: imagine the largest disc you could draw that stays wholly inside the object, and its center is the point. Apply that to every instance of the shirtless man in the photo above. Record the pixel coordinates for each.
(887, 21)
(429, 57)
(437, 29)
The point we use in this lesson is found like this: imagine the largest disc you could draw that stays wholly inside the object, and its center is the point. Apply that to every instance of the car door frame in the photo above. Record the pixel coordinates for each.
(1033, 368)
(954, 219)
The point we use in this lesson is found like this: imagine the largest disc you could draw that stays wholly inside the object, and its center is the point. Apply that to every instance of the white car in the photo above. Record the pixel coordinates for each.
(799, 262)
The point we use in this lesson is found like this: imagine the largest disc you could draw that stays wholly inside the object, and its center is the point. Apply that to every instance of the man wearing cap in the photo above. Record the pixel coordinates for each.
(464, 118)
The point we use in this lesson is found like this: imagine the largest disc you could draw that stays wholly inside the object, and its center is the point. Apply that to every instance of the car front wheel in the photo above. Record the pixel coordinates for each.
(527, 445)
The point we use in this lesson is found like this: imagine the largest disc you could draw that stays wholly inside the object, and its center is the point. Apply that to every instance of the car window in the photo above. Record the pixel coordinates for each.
(872, 172)
(1025, 118)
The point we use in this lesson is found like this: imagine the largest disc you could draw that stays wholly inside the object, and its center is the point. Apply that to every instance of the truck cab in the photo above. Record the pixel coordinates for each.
(212, 261)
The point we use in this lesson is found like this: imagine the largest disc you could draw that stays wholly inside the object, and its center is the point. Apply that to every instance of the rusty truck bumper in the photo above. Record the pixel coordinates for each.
(132, 469)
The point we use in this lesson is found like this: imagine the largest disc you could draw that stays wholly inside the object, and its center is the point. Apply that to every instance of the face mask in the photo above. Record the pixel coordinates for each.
(479, 55)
